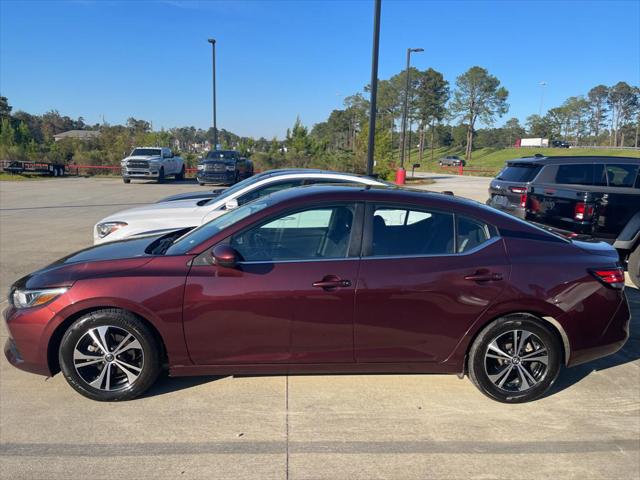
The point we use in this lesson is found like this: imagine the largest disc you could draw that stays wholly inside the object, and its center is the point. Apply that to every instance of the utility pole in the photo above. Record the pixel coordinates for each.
(374, 86)
(212, 41)
(542, 85)
(405, 113)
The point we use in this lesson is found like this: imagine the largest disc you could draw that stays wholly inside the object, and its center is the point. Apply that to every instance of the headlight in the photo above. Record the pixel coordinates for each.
(33, 298)
(106, 228)
(200, 167)
(230, 168)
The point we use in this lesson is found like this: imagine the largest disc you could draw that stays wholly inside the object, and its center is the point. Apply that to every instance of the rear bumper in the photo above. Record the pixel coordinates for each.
(613, 337)
(510, 208)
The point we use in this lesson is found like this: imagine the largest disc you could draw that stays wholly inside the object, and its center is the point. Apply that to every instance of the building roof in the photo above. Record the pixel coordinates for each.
(79, 134)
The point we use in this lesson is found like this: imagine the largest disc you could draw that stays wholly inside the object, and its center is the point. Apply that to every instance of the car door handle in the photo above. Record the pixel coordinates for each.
(484, 277)
(331, 282)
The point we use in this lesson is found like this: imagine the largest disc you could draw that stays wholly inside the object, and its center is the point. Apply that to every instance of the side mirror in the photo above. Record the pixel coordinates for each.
(225, 256)
(231, 204)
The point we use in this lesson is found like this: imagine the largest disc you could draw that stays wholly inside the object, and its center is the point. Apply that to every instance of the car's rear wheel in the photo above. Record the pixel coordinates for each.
(161, 175)
(109, 355)
(633, 266)
(515, 359)
(180, 176)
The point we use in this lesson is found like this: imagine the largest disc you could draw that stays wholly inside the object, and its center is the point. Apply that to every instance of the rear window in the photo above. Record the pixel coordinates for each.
(575, 174)
(519, 172)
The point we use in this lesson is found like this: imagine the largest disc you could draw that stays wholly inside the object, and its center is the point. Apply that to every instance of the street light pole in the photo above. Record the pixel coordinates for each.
(212, 41)
(374, 86)
(406, 105)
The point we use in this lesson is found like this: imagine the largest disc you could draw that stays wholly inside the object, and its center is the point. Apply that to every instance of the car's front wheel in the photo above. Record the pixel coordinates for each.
(515, 359)
(109, 355)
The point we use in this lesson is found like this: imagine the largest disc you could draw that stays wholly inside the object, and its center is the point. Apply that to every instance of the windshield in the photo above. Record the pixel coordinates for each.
(519, 172)
(221, 155)
(146, 152)
(237, 187)
(209, 229)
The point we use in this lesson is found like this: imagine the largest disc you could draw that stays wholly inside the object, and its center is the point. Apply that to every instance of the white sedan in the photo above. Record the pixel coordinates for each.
(167, 216)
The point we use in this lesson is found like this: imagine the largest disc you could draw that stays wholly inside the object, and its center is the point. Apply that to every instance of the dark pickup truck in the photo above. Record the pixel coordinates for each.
(590, 197)
(223, 166)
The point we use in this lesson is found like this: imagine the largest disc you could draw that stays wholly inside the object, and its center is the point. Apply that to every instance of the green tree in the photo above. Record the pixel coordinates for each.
(622, 100)
(432, 96)
(478, 95)
(598, 108)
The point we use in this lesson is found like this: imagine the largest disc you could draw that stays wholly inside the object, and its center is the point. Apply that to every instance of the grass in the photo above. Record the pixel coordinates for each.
(492, 159)
(17, 177)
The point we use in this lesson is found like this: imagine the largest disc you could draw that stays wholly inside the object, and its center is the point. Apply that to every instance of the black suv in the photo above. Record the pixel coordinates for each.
(580, 197)
(223, 166)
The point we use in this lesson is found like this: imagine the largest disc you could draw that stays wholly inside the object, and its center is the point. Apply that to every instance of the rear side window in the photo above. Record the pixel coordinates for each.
(267, 189)
(400, 231)
(470, 234)
(621, 175)
(575, 174)
(520, 172)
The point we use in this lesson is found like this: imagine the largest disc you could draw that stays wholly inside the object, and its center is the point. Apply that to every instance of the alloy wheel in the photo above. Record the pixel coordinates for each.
(516, 361)
(108, 358)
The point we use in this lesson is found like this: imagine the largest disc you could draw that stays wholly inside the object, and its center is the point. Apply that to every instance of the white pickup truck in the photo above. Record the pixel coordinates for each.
(152, 163)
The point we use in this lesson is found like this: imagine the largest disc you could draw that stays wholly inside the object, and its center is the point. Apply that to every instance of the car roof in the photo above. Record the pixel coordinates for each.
(545, 160)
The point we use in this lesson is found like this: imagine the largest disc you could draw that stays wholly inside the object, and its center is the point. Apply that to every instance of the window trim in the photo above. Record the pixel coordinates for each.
(355, 240)
(367, 237)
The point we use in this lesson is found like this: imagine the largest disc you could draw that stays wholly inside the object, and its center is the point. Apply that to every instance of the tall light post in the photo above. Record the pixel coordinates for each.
(374, 86)
(542, 85)
(405, 113)
(212, 41)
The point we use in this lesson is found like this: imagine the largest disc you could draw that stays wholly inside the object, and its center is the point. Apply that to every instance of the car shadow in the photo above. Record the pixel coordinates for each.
(628, 353)
(166, 384)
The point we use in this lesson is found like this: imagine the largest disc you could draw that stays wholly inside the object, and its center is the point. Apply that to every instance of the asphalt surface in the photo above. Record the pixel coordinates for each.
(298, 427)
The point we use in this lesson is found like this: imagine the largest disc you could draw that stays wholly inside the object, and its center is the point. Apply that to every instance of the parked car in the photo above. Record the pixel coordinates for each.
(326, 279)
(594, 197)
(224, 166)
(152, 163)
(560, 144)
(166, 216)
(200, 195)
(451, 161)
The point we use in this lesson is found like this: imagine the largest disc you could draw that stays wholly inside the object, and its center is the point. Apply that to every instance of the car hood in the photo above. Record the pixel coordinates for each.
(163, 212)
(97, 261)
(143, 157)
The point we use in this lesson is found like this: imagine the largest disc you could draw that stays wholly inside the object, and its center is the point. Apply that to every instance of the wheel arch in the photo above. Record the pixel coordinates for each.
(550, 322)
(56, 337)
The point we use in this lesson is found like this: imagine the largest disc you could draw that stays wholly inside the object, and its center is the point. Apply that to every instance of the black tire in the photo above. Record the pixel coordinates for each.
(633, 266)
(514, 388)
(126, 180)
(201, 184)
(180, 176)
(119, 323)
(161, 175)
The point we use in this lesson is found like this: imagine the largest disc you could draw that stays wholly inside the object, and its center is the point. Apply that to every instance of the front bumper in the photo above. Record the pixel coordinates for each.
(139, 173)
(216, 177)
(26, 347)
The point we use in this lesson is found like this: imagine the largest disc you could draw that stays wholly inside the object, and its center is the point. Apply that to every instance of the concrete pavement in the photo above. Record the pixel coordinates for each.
(304, 427)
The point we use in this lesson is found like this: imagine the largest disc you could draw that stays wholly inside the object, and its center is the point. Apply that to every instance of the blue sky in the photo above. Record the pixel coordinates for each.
(277, 60)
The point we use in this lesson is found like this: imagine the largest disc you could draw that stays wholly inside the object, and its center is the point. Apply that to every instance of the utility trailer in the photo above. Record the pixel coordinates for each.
(38, 168)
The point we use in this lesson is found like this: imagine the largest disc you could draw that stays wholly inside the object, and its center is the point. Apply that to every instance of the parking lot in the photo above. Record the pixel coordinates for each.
(297, 427)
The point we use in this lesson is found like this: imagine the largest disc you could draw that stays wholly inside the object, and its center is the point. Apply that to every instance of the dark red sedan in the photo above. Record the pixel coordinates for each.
(326, 279)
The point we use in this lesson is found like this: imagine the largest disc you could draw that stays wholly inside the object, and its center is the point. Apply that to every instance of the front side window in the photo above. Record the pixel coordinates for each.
(312, 234)
(267, 189)
(621, 175)
(403, 231)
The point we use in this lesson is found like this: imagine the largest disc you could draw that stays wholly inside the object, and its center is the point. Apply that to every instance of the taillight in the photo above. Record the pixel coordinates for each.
(523, 200)
(583, 211)
(612, 277)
